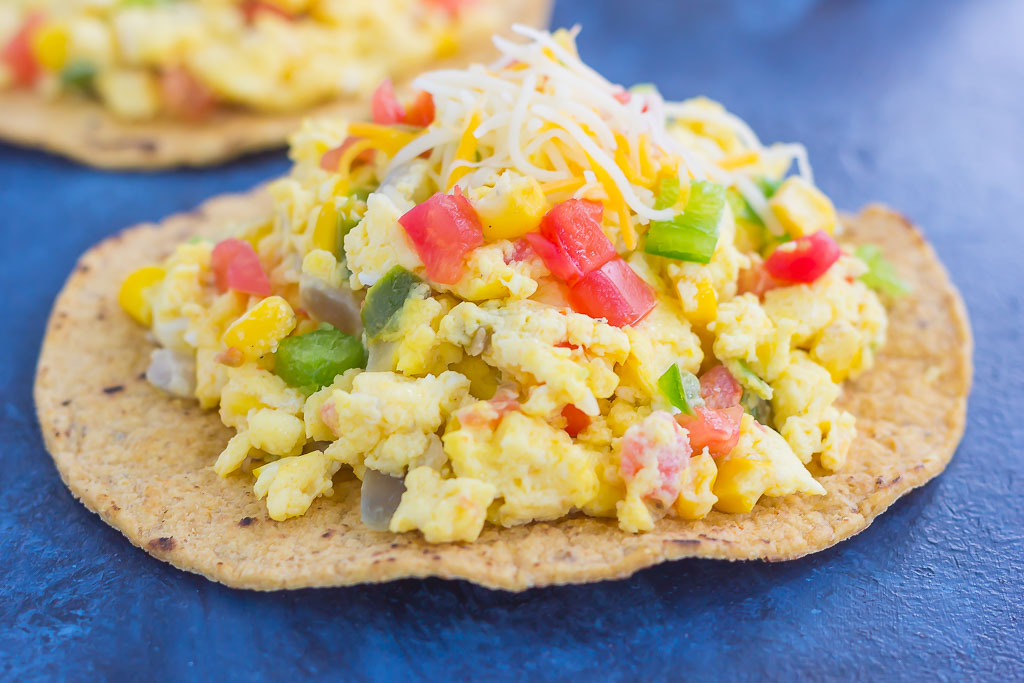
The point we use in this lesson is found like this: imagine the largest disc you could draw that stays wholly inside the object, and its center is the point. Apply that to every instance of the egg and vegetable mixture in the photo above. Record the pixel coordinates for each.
(185, 58)
(553, 295)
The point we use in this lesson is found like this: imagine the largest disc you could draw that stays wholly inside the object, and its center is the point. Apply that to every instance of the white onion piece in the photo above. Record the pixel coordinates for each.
(379, 498)
(381, 356)
(338, 306)
(172, 371)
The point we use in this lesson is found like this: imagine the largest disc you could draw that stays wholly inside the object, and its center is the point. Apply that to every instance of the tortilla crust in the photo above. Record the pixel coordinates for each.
(143, 461)
(85, 131)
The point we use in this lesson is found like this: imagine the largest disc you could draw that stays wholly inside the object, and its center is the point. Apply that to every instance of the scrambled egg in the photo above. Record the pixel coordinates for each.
(275, 55)
(493, 398)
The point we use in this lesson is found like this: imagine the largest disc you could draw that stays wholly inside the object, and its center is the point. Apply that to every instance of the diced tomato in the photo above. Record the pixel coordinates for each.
(332, 157)
(718, 430)
(450, 6)
(719, 388)
(443, 230)
(575, 420)
(18, 55)
(640, 451)
(385, 106)
(574, 227)
(623, 95)
(236, 266)
(614, 292)
(556, 260)
(421, 111)
(184, 95)
(805, 259)
(251, 9)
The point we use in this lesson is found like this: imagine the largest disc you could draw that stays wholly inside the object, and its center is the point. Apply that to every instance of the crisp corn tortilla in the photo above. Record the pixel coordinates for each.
(85, 131)
(143, 461)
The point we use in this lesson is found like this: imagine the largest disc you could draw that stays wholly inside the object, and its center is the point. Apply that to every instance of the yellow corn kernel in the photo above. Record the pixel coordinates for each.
(509, 213)
(258, 332)
(696, 497)
(483, 379)
(707, 303)
(446, 45)
(802, 209)
(134, 294)
(50, 46)
(325, 229)
(740, 482)
(254, 234)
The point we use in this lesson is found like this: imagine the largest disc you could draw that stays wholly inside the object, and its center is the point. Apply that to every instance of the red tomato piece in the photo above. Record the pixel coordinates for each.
(718, 430)
(719, 388)
(614, 292)
(640, 451)
(575, 420)
(18, 55)
(421, 111)
(251, 9)
(184, 95)
(805, 259)
(556, 260)
(623, 95)
(385, 106)
(450, 6)
(574, 227)
(443, 230)
(332, 157)
(236, 266)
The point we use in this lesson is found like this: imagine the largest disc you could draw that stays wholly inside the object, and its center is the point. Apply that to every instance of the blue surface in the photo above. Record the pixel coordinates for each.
(916, 104)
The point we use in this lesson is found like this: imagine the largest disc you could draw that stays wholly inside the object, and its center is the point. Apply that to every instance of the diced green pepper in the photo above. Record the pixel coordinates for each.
(79, 75)
(312, 360)
(769, 186)
(693, 234)
(746, 376)
(385, 299)
(682, 389)
(881, 275)
(668, 192)
(741, 208)
(759, 409)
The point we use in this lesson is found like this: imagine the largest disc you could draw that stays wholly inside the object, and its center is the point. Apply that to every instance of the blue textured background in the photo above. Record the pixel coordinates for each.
(919, 104)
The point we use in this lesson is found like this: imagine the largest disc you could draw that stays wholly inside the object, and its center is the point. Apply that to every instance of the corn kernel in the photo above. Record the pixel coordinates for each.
(802, 209)
(707, 303)
(134, 294)
(512, 208)
(447, 45)
(258, 332)
(325, 229)
(50, 46)
(740, 482)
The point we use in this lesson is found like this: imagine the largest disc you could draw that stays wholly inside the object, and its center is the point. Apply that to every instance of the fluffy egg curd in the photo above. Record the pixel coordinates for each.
(183, 59)
(550, 296)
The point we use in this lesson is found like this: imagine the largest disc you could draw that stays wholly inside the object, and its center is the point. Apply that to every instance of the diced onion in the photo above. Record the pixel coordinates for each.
(173, 372)
(338, 306)
(379, 498)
